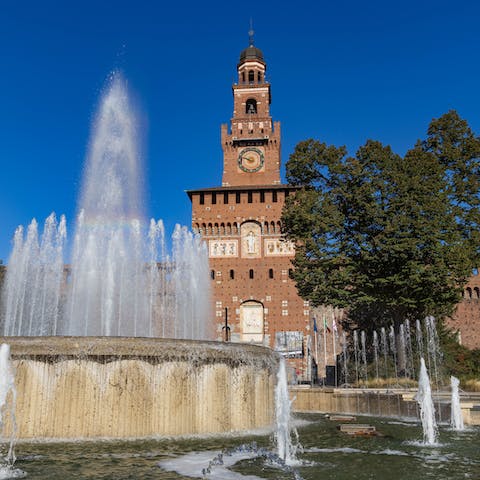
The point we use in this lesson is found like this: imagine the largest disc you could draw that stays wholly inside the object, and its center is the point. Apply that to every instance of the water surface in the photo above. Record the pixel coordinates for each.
(327, 454)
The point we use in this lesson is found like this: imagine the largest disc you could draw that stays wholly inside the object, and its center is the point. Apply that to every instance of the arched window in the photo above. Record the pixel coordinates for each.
(232, 274)
(259, 77)
(290, 272)
(251, 76)
(270, 273)
(243, 77)
(212, 274)
(469, 293)
(251, 106)
(250, 273)
(477, 292)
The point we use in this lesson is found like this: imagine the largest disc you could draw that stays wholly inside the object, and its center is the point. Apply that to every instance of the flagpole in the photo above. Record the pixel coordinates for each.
(334, 341)
(325, 344)
(315, 329)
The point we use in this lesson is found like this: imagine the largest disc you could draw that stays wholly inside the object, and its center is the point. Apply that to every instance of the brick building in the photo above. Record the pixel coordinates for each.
(466, 319)
(252, 291)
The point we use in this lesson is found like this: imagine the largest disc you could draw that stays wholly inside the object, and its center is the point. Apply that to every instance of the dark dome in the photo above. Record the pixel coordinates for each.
(251, 53)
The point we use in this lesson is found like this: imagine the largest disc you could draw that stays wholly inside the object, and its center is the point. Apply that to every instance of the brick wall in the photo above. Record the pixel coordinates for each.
(466, 320)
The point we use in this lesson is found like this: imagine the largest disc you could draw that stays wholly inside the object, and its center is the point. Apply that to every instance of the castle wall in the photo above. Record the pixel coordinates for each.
(466, 319)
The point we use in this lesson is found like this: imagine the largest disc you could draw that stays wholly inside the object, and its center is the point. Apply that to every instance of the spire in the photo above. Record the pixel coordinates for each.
(250, 33)
(251, 52)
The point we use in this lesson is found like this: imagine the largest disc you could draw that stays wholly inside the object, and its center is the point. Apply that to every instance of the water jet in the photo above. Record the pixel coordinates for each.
(456, 417)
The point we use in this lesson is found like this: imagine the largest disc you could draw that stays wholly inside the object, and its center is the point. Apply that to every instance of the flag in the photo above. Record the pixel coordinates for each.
(315, 329)
(334, 326)
(325, 324)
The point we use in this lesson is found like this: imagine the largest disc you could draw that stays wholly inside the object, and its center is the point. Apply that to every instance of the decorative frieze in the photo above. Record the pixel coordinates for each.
(275, 247)
(223, 248)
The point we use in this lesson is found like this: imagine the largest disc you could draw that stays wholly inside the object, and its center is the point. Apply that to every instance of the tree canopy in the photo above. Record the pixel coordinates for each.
(385, 236)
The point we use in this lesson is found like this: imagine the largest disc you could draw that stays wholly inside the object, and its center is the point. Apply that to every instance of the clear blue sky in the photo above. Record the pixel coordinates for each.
(341, 72)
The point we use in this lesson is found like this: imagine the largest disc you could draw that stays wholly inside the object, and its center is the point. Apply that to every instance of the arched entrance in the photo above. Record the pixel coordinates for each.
(251, 322)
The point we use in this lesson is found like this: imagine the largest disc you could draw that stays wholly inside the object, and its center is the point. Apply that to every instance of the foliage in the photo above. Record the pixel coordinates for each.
(385, 236)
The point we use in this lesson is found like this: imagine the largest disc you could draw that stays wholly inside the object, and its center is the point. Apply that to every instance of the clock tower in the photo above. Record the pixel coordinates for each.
(251, 147)
(254, 299)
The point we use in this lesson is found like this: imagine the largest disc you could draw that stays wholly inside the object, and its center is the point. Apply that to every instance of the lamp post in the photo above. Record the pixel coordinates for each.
(226, 328)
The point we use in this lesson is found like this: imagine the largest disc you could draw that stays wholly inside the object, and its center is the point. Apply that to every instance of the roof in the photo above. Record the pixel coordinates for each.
(242, 188)
(251, 53)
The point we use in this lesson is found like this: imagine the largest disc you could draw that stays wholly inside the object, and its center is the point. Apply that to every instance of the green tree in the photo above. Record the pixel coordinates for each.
(387, 237)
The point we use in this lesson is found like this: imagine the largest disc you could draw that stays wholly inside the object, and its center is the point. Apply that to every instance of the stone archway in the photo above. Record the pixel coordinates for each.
(252, 322)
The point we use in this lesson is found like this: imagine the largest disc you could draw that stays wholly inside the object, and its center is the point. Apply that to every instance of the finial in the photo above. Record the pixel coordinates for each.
(250, 33)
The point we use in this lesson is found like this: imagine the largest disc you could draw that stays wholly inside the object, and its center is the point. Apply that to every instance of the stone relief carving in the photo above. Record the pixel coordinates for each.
(223, 248)
(276, 247)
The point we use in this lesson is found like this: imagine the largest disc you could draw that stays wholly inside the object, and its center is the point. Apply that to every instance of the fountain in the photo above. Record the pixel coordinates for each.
(427, 410)
(393, 348)
(375, 354)
(456, 417)
(409, 350)
(356, 354)
(7, 413)
(384, 349)
(120, 281)
(286, 448)
(121, 387)
(364, 357)
(284, 459)
(345, 373)
(84, 333)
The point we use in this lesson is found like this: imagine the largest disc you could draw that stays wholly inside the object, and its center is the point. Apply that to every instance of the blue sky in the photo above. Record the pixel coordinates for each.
(341, 72)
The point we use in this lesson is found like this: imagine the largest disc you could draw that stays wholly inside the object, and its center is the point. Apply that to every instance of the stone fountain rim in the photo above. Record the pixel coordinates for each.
(152, 349)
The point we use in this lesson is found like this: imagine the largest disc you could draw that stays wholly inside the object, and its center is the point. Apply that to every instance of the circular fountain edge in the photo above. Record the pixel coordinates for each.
(160, 349)
(121, 387)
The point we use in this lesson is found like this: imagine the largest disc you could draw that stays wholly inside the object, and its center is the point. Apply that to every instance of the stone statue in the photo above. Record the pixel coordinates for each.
(251, 242)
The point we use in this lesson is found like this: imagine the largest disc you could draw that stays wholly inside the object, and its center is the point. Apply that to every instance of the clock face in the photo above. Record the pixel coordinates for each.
(251, 159)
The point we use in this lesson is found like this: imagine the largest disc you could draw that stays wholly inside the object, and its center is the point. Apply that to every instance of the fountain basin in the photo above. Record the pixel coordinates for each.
(116, 387)
(378, 402)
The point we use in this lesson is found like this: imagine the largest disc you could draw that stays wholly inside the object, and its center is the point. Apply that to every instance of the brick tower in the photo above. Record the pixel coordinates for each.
(252, 292)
